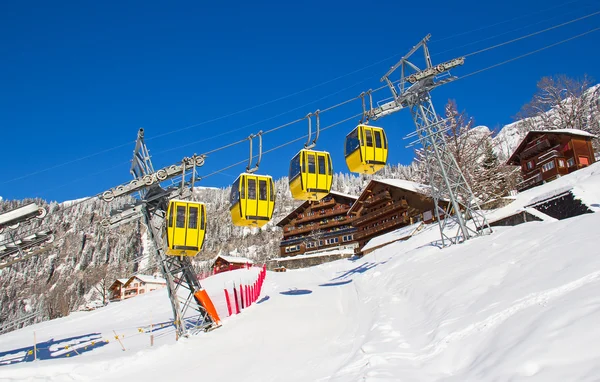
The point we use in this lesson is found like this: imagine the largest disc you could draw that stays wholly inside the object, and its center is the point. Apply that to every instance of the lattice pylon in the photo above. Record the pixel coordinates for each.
(446, 179)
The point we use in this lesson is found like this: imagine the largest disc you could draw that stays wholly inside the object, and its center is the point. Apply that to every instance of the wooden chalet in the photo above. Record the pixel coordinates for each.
(387, 205)
(123, 289)
(318, 225)
(548, 154)
(224, 263)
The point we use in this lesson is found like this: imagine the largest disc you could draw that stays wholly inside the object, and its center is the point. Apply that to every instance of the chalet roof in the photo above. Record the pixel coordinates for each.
(305, 205)
(234, 259)
(146, 279)
(117, 282)
(532, 134)
(407, 185)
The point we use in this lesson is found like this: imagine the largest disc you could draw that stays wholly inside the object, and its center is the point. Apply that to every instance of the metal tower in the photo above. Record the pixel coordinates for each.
(16, 247)
(151, 209)
(446, 179)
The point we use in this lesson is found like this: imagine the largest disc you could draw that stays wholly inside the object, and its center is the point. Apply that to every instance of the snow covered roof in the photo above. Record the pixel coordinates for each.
(567, 131)
(146, 279)
(150, 279)
(234, 259)
(343, 195)
(118, 282)
(407, 185)
(512, 160)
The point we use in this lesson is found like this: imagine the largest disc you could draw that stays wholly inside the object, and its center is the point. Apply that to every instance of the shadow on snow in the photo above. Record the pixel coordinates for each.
(54, 349)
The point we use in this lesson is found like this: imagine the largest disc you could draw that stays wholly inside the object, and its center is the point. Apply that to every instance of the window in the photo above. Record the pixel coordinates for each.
(561, 163)
(369, 138)
(295, 167)
(352, 142)
(548, 166)
(141, 291)
(271, 193)
(322, 165)
(330, 169)
(377, 139)
(193, 219)
(135, 285)
(584, 161)
(311, 163)
(180, 216)
(262, 189)
(529, 165)
(171, 218)
(252, 189)
(570, 162)
(234, 197)
(202, 213)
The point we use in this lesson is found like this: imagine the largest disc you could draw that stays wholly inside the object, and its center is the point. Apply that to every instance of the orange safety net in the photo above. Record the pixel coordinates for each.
(206, 302)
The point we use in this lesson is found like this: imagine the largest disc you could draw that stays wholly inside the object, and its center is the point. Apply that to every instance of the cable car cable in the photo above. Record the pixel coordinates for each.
(532, 34)
(503, 33)
(291, 95)
(462, 77)
(505, 21)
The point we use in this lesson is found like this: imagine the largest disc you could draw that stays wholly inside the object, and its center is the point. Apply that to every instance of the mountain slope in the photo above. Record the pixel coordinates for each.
(519, 304)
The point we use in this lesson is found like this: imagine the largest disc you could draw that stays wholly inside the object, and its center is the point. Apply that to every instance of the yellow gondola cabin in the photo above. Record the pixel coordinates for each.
(252, 200)
(310, 175)
(366, 149)
(186, 226)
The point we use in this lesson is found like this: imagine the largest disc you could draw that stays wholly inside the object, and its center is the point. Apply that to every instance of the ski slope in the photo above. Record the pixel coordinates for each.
(521, 304)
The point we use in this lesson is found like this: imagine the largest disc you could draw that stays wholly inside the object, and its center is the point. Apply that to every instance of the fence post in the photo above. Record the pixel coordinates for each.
(34, 347)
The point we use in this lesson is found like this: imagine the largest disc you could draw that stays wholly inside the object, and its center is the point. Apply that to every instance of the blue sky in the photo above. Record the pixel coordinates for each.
(79, 78)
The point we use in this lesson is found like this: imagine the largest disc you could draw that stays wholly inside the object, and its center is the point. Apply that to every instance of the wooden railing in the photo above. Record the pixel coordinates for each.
(318, 226)
(319, 215)
(400, 205)
(385, 195)
(535, 148)
(371, 231)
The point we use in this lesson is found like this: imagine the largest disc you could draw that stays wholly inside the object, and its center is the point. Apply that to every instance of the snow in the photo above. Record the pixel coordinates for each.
(340, 250)
(343, 195)
(584, 184)
(520, 304)
(567, 131)
(393, 236)
(150, 279)
(406, 185)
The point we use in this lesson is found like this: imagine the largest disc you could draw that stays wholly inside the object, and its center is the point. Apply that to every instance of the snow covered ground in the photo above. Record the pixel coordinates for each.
(521, 304)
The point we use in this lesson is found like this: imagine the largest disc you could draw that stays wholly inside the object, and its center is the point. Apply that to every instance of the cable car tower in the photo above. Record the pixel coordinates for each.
(151, 208)
(446, 178)
(25, 244)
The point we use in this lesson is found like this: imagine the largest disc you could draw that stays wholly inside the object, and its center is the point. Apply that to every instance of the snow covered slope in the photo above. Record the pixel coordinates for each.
(520, 304)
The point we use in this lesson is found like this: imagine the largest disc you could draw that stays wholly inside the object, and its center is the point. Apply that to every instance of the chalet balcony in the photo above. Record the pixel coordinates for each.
(398, 206)
(402, 220)
(299, 240)
(376, 199)
(531, 179)
(535, 149)
(318, 215)
(319, 226)
(549, 155)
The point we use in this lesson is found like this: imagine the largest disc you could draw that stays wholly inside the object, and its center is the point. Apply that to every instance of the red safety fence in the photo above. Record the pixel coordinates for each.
(241, 296)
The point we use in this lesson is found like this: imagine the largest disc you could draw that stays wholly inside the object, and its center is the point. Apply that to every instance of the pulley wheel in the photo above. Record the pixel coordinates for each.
(41, 213)
(161, 175)
(147, 179)
(108, 196)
